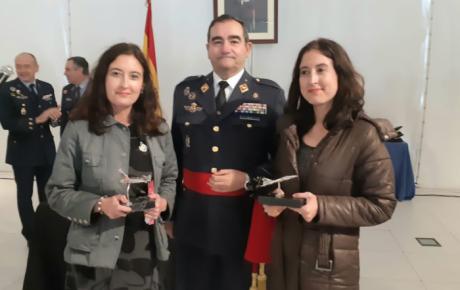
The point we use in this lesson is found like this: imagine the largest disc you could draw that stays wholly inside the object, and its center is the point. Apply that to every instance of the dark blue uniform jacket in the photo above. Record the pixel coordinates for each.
(241, 136)
(29, 144)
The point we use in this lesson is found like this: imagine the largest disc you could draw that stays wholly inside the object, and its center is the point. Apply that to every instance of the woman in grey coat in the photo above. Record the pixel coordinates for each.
(117, 135)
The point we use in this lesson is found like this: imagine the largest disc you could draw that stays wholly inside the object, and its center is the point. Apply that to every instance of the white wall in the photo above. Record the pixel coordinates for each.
(387, 41)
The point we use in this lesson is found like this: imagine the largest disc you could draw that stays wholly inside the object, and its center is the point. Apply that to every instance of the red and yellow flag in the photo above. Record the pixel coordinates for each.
(149, 46)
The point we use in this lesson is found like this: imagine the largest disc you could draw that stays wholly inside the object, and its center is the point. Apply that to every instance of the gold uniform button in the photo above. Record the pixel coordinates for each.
(249, 125)
(213, 170)
(216, 128)
(215, 149)
(41, 136)
(187, 123)
(219, 113)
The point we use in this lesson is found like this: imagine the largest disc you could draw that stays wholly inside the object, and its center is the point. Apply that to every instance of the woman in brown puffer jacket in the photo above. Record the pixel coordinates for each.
(345, 174)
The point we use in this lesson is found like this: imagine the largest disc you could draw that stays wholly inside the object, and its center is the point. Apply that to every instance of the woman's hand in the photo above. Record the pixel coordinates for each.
(114, 206)
(273, 210)
(152, 214)
(309, 210)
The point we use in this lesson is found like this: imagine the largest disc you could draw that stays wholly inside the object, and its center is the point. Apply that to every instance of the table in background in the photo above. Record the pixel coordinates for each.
(404, 177)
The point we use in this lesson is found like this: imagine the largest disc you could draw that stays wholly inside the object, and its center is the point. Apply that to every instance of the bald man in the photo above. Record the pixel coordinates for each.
(27, 107)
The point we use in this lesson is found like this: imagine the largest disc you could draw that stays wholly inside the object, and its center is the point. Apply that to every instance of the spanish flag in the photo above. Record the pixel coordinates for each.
(149, 46)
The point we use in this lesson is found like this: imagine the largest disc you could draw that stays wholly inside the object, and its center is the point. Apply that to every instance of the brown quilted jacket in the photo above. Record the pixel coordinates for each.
(352, 175)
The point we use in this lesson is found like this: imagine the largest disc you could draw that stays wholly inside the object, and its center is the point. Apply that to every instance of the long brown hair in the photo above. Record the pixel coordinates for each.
(348, 101)
(94, 106)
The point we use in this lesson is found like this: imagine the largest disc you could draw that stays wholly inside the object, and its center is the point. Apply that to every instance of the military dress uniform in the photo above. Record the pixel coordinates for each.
(70, 96)
(30, 146)
(240, 136)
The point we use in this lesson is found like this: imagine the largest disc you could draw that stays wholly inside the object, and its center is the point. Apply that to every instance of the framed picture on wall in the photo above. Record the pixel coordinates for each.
(259, 16)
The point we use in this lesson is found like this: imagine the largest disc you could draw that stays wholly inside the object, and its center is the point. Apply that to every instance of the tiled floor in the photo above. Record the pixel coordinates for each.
(391, 258)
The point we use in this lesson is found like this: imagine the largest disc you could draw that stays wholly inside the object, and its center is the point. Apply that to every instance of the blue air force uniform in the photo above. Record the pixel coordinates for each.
(241, 136)
(68, 102)
(30, 146)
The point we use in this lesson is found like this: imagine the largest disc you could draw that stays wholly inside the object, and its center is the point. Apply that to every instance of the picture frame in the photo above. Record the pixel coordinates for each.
(260, 17)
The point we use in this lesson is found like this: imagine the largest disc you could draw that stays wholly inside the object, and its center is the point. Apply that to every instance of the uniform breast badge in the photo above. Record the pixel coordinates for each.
(252, 108)
(47, 97)
(244, 88)
(142, 147)
(186, 91)
(204, 88)
(193, 108)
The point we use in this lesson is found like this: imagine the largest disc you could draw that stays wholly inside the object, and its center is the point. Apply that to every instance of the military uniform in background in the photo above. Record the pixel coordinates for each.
(30, 146)
(70, 96)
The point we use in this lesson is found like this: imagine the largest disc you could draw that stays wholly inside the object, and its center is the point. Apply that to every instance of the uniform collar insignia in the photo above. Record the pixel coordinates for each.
(244, 88)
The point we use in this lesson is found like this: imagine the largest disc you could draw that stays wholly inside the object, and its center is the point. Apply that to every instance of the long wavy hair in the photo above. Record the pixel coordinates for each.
(94, 106)
(348, 101)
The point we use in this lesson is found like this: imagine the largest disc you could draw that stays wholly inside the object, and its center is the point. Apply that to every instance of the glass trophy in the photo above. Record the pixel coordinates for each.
(139, 203)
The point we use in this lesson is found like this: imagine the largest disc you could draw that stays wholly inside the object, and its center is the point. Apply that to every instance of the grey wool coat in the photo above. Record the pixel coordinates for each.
(86, 168)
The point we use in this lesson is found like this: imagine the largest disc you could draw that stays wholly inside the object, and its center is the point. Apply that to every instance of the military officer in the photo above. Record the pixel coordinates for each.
(27, 105)
(223, 129)
(77, 73)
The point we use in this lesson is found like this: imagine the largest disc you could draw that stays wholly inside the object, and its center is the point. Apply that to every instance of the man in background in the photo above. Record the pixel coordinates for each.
(27, 106)
(77, 73)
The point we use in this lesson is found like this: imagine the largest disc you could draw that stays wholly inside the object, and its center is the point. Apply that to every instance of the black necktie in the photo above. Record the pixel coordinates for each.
(221, 99)
(76, 92)
(32, 91)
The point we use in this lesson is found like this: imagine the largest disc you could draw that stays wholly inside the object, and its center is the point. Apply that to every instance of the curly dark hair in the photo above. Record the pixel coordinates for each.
(95, 107)
(348, 101)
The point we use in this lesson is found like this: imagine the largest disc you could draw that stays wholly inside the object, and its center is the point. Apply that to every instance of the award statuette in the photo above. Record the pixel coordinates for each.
(263, 188)
(140, 203)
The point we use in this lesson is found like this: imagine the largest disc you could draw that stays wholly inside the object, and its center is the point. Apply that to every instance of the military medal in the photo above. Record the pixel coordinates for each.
(204, 88)
(23, 111)
(244, 88)
(142, 147)
(192, 96)
(255, 95)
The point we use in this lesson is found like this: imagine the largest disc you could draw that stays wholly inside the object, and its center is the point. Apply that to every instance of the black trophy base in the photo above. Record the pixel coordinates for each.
(289, 202)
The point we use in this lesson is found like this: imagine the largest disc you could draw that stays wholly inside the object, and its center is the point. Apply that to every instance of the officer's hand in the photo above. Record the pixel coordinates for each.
(54, 113)
(226, 180)
(114, 206)
(50, 113)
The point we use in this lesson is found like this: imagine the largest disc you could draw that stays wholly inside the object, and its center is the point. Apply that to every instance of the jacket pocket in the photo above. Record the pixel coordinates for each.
(91, 170)
(82, 238)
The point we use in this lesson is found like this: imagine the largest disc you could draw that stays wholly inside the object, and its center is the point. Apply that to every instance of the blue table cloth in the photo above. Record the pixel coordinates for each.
(404, 176)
